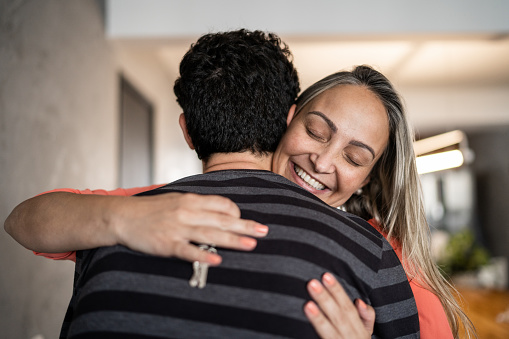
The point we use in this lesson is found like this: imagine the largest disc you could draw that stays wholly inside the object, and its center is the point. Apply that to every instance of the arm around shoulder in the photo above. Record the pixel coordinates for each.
(164, 225)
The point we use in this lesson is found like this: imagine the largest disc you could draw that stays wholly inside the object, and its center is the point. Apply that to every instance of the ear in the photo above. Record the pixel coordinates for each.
(291, 114)
(183, 127)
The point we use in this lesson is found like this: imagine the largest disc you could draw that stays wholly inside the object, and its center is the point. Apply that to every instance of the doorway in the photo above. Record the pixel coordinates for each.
(136, 137)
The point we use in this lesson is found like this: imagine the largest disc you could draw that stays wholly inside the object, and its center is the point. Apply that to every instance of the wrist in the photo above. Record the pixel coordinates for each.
(113, 219)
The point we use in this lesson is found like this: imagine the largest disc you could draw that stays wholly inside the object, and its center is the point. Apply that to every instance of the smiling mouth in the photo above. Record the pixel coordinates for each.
(307, 179)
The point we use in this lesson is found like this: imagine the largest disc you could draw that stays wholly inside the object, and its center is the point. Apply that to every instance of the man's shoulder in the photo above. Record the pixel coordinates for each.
(273, 194)
(242, 181)
(240, 177)
(220, 178)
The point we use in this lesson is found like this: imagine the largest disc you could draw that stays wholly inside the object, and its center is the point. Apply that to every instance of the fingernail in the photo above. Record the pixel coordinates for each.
(361, 303)
(262, 229)
(311, 309)
(248, 243)
(315, 286)
(214, 259)
(328, 279)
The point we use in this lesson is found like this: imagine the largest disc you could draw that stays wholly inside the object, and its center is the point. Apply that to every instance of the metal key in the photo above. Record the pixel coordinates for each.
(195, 279)
(200, 270)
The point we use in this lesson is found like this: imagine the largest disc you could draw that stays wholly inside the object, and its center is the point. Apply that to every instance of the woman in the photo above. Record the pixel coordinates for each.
(388, 196)
(348, 142)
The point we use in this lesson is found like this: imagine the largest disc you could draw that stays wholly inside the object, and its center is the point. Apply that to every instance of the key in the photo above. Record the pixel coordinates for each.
(200, 270)
(195, 279)
(204, 268)
(202, 279)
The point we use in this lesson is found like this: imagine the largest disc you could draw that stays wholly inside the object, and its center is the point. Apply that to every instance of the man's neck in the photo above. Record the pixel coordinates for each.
(242, 160)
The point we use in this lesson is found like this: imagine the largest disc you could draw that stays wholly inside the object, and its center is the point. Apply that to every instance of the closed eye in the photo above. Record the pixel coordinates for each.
(315, 135)
(357, 159)
(351, 161)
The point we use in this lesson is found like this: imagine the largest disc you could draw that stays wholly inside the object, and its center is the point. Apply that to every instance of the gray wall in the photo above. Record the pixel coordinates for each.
(491, 170)
(58, 121)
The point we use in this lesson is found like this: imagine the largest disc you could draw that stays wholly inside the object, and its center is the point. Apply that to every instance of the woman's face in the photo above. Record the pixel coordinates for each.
(333, 143)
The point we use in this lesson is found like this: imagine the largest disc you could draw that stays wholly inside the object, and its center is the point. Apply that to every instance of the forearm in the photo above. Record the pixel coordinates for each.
(164, 224)
(60, 222)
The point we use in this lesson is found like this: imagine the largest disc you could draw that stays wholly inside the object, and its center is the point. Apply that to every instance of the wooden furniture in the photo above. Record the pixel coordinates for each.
(483, 307)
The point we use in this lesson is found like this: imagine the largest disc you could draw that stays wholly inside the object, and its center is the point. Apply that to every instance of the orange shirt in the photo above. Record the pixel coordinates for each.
(432, 319)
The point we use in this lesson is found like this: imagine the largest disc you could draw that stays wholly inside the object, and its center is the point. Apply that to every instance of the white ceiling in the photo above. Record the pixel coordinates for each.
(459, 44)
(436, 42)
(448, 62)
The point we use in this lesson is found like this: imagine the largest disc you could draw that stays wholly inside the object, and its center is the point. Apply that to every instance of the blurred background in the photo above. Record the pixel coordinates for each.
(86, 101)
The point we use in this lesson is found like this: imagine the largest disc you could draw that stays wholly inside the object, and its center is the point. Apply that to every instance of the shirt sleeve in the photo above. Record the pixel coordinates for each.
(126, 192)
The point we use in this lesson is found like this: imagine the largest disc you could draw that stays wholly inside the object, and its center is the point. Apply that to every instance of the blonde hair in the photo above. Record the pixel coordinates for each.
(393, 195)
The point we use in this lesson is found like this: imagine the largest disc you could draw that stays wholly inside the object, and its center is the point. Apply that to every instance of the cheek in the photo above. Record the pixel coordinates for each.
(352, 179)
(293, 143)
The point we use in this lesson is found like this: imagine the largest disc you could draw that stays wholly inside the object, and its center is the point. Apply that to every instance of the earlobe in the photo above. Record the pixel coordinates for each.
(183, 127)
(360, 189)
(291, 114)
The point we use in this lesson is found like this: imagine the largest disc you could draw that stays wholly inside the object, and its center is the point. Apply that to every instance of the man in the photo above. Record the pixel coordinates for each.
(235, 89)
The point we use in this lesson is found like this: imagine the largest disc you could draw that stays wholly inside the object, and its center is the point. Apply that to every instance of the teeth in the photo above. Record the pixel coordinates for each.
(310, 181)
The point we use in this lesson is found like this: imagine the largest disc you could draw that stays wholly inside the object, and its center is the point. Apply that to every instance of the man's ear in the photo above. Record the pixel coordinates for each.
(183, 127)
(291, 113)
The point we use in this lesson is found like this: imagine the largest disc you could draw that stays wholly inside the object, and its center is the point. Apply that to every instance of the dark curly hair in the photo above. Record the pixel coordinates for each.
(235, 89)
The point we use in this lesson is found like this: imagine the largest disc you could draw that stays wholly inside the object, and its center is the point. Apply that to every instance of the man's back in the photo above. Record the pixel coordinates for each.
(119, 292)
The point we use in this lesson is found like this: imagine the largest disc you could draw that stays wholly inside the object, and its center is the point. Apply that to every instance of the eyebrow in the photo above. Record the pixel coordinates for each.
(329, 122)
(363, 145)
(334, 128)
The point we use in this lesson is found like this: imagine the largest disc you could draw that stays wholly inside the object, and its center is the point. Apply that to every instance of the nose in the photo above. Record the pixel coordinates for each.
(323, 162)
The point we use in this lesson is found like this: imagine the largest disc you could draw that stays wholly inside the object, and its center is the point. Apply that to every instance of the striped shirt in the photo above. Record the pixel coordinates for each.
(120, 293)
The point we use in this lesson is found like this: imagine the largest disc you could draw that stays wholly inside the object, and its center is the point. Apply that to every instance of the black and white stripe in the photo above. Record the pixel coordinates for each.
(259, 294)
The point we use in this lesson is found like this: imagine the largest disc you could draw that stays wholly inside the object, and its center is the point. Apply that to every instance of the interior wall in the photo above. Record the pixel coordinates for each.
(144, 70)
(491, 170)
(58, 128)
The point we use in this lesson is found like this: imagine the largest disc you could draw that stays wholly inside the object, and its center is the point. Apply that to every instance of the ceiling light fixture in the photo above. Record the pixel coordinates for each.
(441, 152)
(439, 161)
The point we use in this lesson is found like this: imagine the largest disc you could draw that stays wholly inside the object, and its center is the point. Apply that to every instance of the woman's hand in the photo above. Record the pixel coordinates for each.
(336, 316)
(166, 224)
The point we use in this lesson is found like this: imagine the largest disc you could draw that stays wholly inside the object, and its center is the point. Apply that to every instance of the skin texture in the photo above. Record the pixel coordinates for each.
(336, 139)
